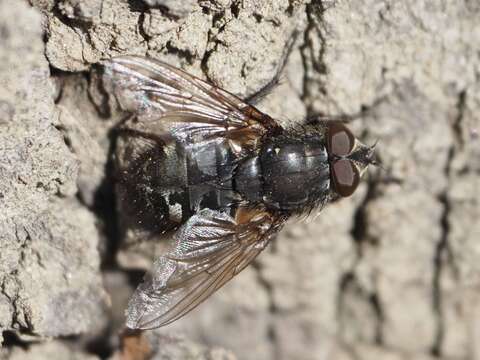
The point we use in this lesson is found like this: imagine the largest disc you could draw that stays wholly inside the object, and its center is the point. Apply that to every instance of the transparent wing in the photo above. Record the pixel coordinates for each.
(210, 249)
(168, 101)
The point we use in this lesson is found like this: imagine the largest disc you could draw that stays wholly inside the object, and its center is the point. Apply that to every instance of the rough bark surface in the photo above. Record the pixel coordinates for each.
(391, 273)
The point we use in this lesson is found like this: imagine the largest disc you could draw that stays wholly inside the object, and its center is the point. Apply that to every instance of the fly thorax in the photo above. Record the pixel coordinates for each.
(295, 172)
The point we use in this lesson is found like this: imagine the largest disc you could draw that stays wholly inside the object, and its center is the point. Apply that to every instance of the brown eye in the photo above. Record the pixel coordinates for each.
(340, 139)
(345, 177)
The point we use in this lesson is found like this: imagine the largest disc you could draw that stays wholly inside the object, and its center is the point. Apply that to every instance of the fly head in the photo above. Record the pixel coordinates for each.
(349, 158)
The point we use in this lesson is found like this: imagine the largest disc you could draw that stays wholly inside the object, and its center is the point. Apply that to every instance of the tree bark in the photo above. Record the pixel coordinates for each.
(391, 273)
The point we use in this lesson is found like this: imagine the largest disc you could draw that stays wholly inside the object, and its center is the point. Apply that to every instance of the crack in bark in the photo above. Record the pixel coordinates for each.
(212, 37)
(141, 28)
(438, 264)
(12, 340)
(272, 310)
(443, 256)
(314, 12)
(20, 318)
(16, 322)
(361, 237)
(359, 231)
(350, 287)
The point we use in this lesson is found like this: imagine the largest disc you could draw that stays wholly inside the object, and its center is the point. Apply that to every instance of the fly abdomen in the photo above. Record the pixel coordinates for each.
(209, 167)
(164, 186)
(248, 179)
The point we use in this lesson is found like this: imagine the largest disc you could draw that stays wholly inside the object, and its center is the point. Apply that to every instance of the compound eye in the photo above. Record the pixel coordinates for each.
(340, 140)
(345, 177)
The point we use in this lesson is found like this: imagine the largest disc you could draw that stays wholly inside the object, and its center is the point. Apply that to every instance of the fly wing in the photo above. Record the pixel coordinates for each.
(167, 101)
(210, 249)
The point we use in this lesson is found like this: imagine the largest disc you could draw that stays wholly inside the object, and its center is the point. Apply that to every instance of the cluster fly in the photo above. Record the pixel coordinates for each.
(220, 174)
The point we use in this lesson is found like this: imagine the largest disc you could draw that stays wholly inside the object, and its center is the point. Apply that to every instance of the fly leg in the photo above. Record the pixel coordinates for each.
(266, 89)
(323, 119)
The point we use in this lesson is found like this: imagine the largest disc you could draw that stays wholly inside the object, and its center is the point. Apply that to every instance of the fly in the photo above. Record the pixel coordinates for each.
(222, 175)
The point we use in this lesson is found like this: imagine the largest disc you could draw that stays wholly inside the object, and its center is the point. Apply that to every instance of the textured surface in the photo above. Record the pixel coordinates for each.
(45, 351)
(50, 282)
(392, 273)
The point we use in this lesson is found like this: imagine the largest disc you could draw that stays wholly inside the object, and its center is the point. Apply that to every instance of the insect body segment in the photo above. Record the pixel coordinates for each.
(196, 159)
